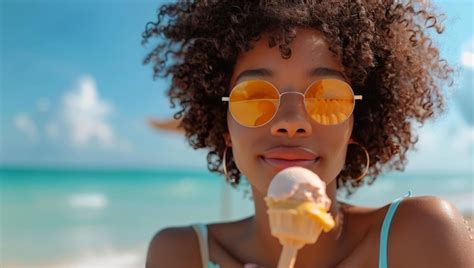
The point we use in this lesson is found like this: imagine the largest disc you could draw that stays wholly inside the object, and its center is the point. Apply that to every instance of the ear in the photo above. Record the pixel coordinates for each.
(227, 139)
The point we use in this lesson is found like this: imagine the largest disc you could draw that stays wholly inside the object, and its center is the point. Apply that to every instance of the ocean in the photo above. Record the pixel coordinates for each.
(105, 218)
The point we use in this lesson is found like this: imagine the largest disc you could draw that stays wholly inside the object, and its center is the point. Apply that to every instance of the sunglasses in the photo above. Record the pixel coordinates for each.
(254, 103)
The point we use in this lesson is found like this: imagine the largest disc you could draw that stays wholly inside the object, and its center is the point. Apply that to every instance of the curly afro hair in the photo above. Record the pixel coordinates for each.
(384, 46)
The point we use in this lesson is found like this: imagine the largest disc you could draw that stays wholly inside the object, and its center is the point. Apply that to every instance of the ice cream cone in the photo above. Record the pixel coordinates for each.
(297, 210)
(291, 224)
(288, 254)
(293, 230)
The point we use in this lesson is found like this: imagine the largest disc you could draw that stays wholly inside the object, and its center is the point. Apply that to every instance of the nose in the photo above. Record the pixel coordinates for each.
(291, 119)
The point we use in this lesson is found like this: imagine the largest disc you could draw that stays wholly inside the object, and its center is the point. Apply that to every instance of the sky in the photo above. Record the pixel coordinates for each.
(74, 92)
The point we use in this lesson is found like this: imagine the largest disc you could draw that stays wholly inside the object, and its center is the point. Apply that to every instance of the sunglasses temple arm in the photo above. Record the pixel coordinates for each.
(357, 97)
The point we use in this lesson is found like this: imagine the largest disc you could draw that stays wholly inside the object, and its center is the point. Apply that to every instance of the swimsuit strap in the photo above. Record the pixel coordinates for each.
(386, 228)
(201, 232)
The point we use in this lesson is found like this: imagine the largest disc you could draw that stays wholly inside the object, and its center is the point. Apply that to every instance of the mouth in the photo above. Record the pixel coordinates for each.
(280, 157)
(279, 163)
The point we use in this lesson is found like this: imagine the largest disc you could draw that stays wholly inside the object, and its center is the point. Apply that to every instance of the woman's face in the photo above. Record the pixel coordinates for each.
(255, 149)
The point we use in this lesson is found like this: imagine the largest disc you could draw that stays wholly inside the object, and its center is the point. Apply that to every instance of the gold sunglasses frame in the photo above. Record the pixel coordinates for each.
(356, 97)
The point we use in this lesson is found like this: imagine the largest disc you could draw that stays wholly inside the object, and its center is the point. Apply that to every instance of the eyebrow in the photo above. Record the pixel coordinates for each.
(318, 71)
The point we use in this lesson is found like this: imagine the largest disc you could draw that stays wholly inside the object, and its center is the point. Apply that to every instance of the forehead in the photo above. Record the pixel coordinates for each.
(309, 50)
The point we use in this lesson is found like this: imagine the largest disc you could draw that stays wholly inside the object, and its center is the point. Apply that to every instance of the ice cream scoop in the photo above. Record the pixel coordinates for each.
(297, 208)
(299, 184)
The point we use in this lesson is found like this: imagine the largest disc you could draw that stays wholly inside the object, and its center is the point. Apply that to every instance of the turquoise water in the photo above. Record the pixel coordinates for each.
(105, 218)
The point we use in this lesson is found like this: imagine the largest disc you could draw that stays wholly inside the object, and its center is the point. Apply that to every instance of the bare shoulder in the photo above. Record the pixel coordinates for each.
(174, 247)
(428, 231)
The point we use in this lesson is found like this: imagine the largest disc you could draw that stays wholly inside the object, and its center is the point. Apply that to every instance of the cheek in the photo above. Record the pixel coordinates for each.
(246, 160)
(241, 143)
(341, 158)
(335, 155)
(245, 149)
(334, 142)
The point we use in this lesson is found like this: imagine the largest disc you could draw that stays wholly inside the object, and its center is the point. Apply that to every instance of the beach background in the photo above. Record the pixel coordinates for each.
(86, 182)
(105, 218)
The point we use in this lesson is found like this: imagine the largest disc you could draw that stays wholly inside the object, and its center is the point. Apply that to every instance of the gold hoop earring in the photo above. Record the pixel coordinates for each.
(224, 160)
(367, 157)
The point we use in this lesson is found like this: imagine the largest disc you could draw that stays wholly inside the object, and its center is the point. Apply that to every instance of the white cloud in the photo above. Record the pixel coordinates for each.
(446, 144)
(468, 59)
(43, 105)
(463, 141)
(467, 56)
(86, 115)
(82, 120)
(52, 130)
(464, 96)
(27, 126)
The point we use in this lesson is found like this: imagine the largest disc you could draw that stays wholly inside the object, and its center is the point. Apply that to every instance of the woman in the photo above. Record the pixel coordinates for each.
(375, 56)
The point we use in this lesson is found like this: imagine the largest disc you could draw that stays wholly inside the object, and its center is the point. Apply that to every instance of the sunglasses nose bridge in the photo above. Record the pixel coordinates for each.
(297, 102)
(291, 118)
(291, 92)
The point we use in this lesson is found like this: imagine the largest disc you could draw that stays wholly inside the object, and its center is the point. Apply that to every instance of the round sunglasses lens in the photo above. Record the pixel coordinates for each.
(329, 101)
(253, 103)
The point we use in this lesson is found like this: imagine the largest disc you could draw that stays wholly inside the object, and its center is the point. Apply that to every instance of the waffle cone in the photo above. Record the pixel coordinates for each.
(290, 225)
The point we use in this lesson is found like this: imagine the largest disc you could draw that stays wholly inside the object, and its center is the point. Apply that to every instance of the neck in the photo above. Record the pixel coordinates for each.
(325, 247)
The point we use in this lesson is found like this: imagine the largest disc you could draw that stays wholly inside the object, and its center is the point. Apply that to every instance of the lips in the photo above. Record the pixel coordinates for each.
(283, 157)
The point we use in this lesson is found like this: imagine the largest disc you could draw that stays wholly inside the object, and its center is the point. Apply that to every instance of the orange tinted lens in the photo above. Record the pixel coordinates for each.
(329, 101)
(253, 103)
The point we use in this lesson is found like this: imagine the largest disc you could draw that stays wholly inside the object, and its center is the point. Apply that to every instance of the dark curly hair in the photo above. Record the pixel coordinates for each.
(384, 46)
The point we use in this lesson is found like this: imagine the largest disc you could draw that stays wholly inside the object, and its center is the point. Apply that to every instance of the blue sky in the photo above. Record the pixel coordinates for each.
(73, 91)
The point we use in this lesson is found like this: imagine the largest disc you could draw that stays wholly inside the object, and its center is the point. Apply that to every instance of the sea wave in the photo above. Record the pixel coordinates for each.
(182, 189)
(88, 200)
(108, 258)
